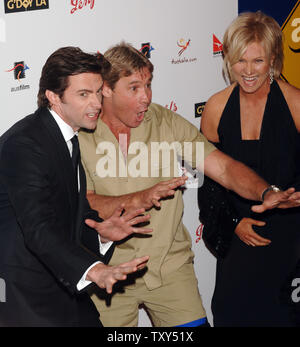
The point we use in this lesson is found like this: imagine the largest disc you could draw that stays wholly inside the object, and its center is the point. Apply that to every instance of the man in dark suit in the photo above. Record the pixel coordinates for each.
(48, 255)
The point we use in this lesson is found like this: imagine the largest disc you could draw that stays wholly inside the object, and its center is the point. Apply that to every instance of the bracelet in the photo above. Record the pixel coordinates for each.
(271, 188)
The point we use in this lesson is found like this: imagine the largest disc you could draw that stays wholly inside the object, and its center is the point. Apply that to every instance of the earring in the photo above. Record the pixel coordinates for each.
(271, 75)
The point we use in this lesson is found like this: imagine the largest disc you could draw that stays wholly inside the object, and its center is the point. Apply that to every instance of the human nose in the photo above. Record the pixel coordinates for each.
(248, 68)
(96, 100)
(146, 95)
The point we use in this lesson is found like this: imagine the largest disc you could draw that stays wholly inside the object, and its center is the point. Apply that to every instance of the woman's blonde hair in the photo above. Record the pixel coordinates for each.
(251, 27)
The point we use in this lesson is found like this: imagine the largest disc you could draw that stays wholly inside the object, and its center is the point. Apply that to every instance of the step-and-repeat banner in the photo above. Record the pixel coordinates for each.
(183, 39)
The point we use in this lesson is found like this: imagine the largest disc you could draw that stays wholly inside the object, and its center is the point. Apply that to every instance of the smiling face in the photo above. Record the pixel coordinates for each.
(80, 104)
(252, 70)
(125, 105)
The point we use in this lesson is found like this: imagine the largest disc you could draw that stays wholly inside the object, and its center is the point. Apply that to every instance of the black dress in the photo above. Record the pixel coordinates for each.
(250, 280)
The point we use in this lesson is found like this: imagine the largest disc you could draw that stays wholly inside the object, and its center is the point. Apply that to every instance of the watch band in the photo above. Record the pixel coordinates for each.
(272, 187)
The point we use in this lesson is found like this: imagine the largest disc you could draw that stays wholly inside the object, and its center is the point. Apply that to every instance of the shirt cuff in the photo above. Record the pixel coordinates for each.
(83, 282)
(104, 247)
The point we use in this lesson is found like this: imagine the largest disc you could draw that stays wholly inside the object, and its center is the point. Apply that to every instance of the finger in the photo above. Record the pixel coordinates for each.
(120, 276)
(141, 230)
(91, 223)
(258, 208)
(136, 262)
(139, 219)
(177, 180)
(132, 214)
(258, 223)
(258, 240)
(166, 192)
(289, 191)
(108, 288)
(259, 243)
(295, 196)
(155, 202)
(289, 204)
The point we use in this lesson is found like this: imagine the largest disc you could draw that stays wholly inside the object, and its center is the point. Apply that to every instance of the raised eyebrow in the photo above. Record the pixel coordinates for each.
(139, 82)
(84, 91)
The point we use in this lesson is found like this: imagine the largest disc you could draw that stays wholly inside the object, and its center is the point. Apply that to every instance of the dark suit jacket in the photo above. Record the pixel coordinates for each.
(45, 247)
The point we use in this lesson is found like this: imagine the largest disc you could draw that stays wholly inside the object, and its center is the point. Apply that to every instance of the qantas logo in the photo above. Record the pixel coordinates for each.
(217, 46)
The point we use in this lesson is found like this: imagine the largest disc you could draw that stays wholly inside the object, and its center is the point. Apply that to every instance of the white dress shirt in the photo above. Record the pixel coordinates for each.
(68, 133)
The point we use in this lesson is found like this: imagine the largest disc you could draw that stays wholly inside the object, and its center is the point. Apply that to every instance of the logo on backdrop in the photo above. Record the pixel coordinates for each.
(199, 232)
(217, 46)
(11, 6)
(80, 4)
(146, 49)
(199, 107)
(183, 44)
(291, 46)
(173, 107)
(18, 70)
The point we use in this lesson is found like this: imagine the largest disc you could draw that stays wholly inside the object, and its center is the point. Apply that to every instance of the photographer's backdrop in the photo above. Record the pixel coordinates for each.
(183, 39)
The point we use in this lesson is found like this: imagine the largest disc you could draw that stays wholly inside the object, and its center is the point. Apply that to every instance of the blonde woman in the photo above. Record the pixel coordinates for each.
(256, 120)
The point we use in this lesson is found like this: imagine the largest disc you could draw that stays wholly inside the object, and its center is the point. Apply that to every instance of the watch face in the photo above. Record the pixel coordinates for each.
(274, 188)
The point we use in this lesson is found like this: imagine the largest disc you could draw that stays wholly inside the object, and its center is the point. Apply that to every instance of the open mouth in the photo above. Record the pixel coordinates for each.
(141, 115)
(249, 80)
(93, 115)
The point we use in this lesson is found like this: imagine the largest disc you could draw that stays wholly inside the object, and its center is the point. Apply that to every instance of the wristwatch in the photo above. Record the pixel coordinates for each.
(272, 187)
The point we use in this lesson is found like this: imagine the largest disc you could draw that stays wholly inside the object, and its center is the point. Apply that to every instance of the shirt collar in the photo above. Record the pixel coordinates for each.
(66, 130)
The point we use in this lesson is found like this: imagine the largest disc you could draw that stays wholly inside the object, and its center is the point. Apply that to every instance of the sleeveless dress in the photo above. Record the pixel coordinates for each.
(250, 280)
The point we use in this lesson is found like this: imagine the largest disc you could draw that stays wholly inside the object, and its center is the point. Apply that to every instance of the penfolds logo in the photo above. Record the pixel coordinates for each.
(80, 4)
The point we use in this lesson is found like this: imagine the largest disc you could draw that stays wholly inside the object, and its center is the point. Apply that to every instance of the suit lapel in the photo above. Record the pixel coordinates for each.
(63, 162)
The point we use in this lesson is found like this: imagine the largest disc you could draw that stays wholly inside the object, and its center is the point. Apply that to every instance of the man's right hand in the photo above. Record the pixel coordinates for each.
(106, 276)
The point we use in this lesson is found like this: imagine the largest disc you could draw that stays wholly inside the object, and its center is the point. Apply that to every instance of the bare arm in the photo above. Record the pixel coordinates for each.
(234, 175)
(106, 205)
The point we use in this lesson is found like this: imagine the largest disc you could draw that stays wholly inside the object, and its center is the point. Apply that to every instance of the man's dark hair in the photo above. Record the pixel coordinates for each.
(65, 62)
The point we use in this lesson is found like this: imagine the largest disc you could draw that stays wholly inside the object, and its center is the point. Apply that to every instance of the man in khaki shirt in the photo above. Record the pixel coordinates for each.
(125, 170)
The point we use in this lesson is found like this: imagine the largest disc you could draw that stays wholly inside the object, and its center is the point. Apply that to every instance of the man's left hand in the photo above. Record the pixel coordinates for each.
(282, 199)
(119, 226)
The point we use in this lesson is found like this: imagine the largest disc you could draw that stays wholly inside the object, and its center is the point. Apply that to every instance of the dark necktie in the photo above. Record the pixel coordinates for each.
(75, 155)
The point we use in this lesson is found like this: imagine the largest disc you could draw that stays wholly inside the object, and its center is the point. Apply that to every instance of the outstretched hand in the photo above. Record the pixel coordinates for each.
(118, 226)
(152, 196)
(282, 199)
(106, 276)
